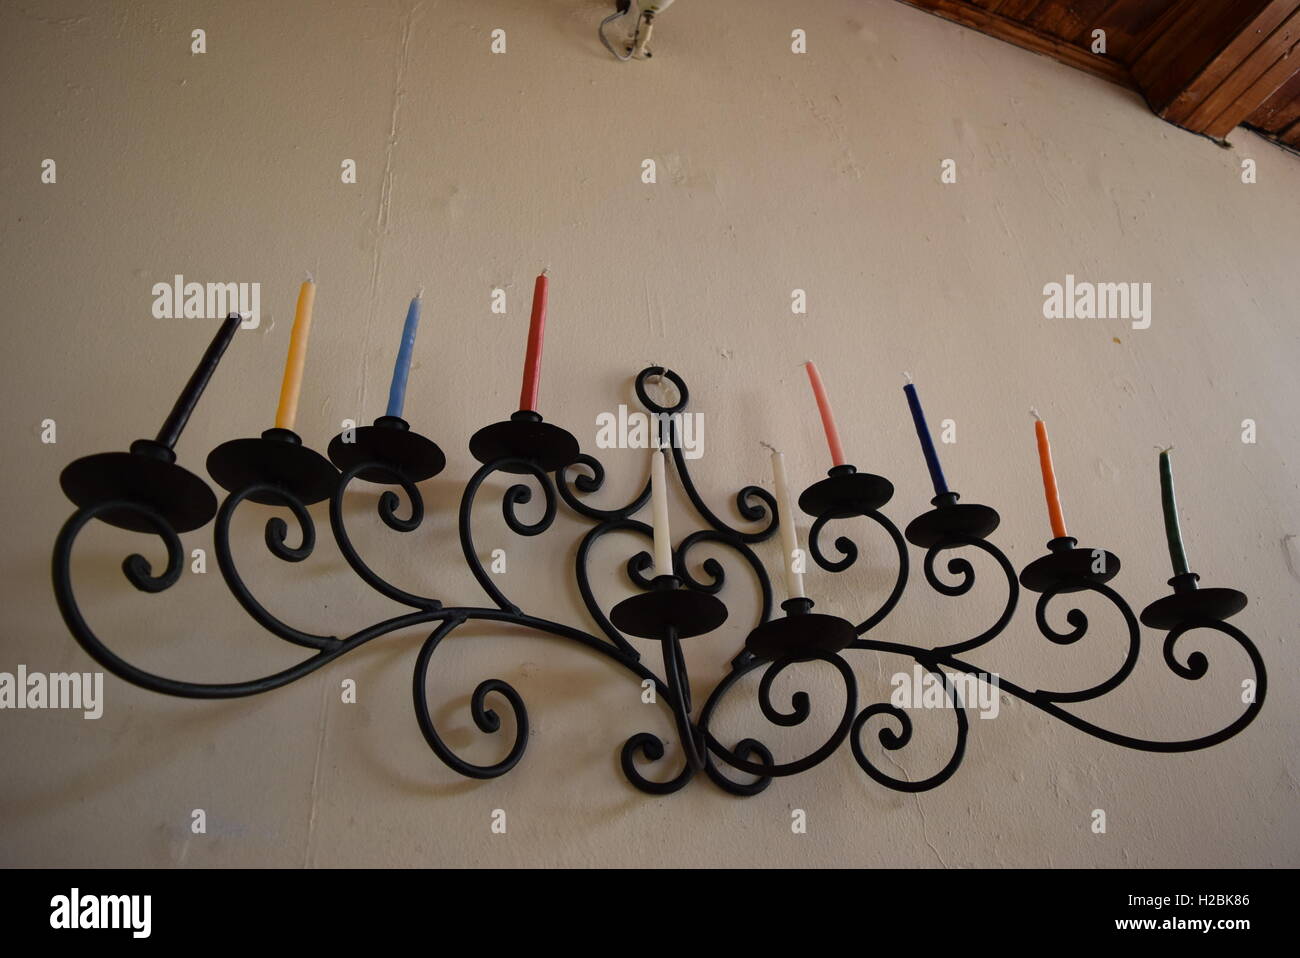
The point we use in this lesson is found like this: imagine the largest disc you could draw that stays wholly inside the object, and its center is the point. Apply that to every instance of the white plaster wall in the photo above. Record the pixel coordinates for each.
(777, 172)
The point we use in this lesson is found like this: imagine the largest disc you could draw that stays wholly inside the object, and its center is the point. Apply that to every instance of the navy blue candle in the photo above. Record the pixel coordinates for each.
(397, 391)
(927, 444)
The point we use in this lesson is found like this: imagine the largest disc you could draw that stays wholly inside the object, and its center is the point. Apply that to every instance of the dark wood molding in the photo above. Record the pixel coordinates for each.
(1027, 36)
(1217, 61)
(1279, 117)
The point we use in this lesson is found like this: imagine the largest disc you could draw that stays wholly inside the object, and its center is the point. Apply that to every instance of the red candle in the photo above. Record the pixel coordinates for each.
(828, 417)
(533, 359)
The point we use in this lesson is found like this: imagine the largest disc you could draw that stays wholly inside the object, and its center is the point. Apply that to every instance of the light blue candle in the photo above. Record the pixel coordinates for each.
(402, 368)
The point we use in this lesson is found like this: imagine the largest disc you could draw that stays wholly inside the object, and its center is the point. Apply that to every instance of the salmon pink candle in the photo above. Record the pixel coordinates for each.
(828, 417)
(533, 359)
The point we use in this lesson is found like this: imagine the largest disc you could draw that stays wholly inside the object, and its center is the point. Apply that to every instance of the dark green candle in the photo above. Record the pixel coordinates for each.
(1173, 534)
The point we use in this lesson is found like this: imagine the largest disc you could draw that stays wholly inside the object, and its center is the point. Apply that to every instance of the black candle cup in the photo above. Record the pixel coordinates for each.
(147, 479)
(1067, 568)
(525, 437)
(276, 459)
(1190, 604)
(846, 492)
(800, 635)
(951, 521)
(668, 611)
(392, 448)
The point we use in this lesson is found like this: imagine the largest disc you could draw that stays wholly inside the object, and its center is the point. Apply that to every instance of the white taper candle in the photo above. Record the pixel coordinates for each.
(659, 501)
(789, 540)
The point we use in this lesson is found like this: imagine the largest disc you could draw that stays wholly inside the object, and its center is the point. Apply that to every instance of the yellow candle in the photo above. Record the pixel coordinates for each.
(287, 412)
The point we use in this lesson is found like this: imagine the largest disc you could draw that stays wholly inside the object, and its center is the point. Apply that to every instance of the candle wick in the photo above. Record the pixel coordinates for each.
(1165, 448)
(420, 294)
(768, 445)
(1033, 411)
(907, 376)
(310, 278)
(545, 270)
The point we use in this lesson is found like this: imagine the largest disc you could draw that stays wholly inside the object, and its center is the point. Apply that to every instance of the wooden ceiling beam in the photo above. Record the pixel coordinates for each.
(1215, 62)
(1204, 65)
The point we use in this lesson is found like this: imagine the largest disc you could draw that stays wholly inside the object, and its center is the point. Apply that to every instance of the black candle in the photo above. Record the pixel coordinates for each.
(189, 398)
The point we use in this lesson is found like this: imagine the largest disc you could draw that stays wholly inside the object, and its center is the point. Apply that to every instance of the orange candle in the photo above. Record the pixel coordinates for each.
(287, 412)
(828, 417)
(533, 359)
(1049, 479)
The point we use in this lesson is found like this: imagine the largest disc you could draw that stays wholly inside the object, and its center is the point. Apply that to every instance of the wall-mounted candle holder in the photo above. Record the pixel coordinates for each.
(145, 491)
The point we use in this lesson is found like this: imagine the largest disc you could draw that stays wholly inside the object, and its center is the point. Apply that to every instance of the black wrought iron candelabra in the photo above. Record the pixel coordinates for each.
(144, 490)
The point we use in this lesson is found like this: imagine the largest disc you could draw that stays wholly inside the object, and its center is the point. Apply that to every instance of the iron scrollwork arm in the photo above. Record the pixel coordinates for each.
(144, 491)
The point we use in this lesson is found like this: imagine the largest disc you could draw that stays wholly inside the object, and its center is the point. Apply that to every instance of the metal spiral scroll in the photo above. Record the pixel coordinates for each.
(515, 495)
(617, 648)
(849, 555)
(485, 718)
(1079, 623)
(574, 486)
(1196, 667)
(961, 567)
(895, 740)
(140, 573)
(387, 507)
(276, 535)
(800, 711)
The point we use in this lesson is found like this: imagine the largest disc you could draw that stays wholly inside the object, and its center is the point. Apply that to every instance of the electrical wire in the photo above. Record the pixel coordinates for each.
(617, 14)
